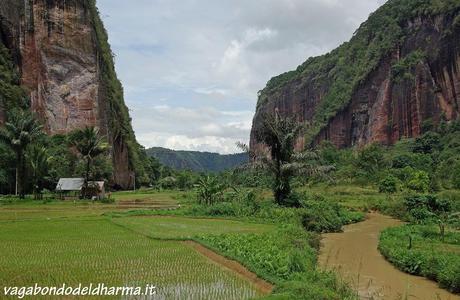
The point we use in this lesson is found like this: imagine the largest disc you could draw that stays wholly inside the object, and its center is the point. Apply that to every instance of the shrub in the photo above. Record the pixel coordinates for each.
(427, 143)
(369, 162)
(388, 185)
(419, 181)
(417, 206)
(321, 215)
(425, 208)
(167, 182)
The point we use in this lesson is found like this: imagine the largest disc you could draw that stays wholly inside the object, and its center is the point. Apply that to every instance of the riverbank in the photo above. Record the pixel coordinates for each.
(354, 255)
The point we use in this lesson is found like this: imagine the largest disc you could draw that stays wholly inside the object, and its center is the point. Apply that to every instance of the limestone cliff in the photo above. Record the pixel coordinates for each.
(400, 69)
(65, 64)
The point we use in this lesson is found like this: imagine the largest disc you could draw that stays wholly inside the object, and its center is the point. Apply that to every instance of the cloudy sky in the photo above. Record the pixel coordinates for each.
(191, 69)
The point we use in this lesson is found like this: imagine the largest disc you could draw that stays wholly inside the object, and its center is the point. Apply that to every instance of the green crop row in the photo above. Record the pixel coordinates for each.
(75, 251)
(287, 258)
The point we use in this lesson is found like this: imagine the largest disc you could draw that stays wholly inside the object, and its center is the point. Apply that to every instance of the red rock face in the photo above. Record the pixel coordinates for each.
(382, 109)
(59, 65)
(54, 44)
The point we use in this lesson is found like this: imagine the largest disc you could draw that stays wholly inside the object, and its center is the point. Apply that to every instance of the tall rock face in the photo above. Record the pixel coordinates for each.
(400, 70)
(65, 64)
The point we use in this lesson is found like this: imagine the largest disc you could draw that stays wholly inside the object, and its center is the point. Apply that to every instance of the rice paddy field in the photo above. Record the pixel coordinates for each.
(61, 242)
(186, 228)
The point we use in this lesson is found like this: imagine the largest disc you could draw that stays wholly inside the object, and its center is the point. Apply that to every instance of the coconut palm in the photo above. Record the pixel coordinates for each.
(38, 159)
(20, 130)
(279, 134)
(89, 144)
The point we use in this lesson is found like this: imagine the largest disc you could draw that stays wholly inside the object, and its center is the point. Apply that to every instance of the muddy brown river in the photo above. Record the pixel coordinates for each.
(354, 255)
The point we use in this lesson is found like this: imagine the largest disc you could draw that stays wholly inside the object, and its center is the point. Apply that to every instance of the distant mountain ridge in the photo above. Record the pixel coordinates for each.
(197, 161)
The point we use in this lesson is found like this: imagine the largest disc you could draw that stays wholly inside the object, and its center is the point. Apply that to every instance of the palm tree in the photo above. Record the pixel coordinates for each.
(89, 144)
(38, 160)
(19, 131)
(280, 135)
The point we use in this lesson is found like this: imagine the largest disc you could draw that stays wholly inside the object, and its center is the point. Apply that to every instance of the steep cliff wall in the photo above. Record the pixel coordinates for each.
(401, 68)
(66, 67)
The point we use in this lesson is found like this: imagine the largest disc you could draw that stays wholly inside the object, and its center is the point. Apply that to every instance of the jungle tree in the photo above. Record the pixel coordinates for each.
(280, 134)
(38, 158)
(20, 130)
(89, 144)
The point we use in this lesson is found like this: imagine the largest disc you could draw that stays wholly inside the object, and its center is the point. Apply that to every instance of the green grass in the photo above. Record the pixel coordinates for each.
(71, 242)
(54, 210)
(148, 195)
(96, 251)
(350, 196)
(429, 256)
(169, 227)
(23, 209)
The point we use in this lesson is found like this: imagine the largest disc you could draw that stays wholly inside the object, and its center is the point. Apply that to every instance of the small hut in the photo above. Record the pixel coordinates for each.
(74, 188)
(70, 188)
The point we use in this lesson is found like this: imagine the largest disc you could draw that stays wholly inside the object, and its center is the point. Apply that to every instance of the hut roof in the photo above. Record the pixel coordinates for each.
(70, 184)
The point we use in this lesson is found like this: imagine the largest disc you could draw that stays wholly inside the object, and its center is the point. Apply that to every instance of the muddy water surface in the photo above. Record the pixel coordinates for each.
(354, 255)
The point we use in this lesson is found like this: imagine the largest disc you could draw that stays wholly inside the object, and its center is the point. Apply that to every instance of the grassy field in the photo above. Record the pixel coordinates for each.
(15, 209)
(131, 242)
(96, 251)
(167, 227)
(66, 242)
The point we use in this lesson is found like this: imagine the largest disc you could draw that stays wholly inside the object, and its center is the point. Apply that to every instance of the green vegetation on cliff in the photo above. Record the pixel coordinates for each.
(118, 119)
(345, 68)
(11, 94)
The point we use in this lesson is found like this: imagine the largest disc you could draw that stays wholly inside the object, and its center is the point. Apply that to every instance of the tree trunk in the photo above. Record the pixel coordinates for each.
(20, 174)
(16, 183)
(88, 164)
(442, 229)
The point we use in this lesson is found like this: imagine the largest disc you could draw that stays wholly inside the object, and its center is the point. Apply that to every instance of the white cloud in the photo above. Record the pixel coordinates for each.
(183, 142)
(191, 69)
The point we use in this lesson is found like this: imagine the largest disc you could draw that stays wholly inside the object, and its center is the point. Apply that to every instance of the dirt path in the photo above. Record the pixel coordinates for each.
(262, 285)
(354, 255)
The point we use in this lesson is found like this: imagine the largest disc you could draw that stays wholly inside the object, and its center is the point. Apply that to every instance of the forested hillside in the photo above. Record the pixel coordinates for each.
(197, 161)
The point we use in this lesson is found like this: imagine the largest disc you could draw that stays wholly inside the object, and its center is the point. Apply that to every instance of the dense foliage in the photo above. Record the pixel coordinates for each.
(19, 131)
(424, 164)
(11, 94)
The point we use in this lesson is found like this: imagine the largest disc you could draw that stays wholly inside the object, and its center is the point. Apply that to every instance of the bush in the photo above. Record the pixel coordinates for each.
(419, 181)
(427, 143)
(321, 215)
(167, 182)
(389, 185)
